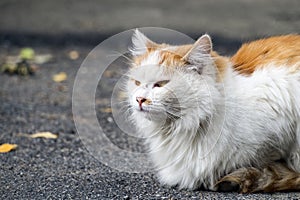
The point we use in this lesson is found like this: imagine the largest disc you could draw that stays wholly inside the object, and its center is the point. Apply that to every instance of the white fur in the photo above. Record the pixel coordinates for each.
(214, 128)
(140, 42)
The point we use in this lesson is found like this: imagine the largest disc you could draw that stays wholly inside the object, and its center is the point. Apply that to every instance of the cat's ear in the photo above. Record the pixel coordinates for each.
(141, 44)
(200, 50)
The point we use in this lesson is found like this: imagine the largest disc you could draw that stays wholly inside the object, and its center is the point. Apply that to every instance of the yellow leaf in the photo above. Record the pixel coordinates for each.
(73, 55)
(106, 110)
(62, 76)
(7, 147)
(44, 135)
(27, 53)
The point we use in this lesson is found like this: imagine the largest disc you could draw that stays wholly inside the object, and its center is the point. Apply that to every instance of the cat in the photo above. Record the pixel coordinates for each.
(205, 116)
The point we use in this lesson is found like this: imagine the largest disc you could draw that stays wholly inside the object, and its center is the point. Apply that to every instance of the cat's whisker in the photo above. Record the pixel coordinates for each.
(121, 55)
(122, 102)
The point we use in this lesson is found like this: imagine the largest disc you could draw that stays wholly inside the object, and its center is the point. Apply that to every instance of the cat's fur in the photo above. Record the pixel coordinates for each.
(204, 115)
(273, 177)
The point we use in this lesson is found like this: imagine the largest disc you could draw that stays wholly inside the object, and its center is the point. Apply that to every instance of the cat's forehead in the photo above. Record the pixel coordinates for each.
(150, 73)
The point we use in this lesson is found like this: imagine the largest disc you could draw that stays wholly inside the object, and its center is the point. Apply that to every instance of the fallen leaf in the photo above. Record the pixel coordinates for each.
(106, 110)
(27, 53)
(109, 73)
(42, 58)
(25, 68)
(44, 135)
(102, 101)
(8, 68)
(62, 76)
(73, 55)
(122, 95)
(4, 148)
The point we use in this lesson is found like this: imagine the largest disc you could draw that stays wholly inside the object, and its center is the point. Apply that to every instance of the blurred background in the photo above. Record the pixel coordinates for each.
(89, 22)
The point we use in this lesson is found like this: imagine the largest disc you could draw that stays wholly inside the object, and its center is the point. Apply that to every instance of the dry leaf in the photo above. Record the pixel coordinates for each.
(106, 110)
(102, 101)
(44, 135)
(109, 73)
(62, 76)
(73, 55)
(42, 58)
(122, 95)
(4, 148)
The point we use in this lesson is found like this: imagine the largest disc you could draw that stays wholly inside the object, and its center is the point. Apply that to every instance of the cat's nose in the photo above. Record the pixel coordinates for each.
(140, 100)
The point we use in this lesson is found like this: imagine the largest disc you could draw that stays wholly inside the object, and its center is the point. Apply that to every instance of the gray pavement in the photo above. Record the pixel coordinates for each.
(232, 18)
(63, 168)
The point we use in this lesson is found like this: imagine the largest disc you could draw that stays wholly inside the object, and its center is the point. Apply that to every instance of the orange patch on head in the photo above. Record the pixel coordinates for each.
(174, 57)
(280, 50)
(137, 60)
(169, 56)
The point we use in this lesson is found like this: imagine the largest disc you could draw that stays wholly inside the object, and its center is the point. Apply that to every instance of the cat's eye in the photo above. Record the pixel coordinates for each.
(160, 83)
(137, 83)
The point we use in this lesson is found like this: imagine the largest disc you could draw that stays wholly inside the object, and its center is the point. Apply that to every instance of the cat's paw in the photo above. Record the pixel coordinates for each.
(243, 180)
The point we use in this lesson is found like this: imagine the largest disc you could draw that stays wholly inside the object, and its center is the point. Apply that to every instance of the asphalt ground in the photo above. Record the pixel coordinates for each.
(63, 168)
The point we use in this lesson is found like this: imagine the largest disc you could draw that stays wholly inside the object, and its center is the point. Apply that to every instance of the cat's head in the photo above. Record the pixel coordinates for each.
(168, 81)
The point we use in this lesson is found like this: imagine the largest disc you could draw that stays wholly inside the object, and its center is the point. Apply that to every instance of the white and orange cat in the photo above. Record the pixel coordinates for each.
(205, 116)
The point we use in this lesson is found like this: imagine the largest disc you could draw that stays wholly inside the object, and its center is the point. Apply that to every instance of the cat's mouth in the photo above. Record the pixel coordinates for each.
(143, 109)
(147, 110)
